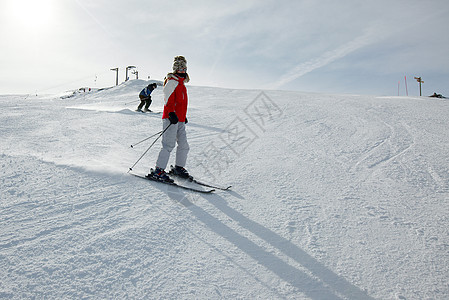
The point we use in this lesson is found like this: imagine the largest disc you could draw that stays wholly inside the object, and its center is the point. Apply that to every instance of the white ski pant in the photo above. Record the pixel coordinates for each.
(176, 133)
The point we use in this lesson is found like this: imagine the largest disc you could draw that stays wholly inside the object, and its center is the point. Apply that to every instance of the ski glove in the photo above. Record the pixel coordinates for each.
(173, 117)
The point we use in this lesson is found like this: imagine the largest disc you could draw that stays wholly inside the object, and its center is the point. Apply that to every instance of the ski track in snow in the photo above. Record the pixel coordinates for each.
(334, 197)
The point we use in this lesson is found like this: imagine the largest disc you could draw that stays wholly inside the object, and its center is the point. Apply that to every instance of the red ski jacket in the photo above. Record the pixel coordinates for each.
(175, 97)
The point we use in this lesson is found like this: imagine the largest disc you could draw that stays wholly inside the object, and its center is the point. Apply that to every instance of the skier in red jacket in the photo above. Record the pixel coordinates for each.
(174, 120)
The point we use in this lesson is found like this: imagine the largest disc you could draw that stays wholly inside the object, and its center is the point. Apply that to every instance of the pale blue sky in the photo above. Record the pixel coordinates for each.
(347, 46)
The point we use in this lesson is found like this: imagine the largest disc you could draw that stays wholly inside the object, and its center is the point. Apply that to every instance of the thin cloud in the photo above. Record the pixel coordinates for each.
(326, 58)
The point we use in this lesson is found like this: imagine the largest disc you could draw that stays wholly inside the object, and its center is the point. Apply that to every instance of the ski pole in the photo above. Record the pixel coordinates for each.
(131, 102)
(132, 146)
(130, 169)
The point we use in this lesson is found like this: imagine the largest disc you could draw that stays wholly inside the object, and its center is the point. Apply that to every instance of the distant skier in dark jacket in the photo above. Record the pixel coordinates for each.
(145, 97)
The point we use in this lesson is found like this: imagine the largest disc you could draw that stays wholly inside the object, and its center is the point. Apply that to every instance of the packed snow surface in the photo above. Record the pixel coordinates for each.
(333, 197)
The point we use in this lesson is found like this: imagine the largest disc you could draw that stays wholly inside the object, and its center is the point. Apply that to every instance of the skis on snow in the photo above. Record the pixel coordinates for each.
(212, 187)
(191, 179)
(192, 189)
(149, 112)
(216, 187)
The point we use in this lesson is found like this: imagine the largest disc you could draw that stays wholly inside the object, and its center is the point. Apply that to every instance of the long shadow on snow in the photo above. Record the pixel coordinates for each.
(297, 278)
(315, 289)
(329, 285)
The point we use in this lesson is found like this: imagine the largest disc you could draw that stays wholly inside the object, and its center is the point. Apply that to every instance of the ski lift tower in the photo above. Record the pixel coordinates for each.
(420, 81)
(135, 72)
(128, 68)
(116, 75)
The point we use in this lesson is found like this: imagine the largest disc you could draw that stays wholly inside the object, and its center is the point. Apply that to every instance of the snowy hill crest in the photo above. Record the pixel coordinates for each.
(334, 197)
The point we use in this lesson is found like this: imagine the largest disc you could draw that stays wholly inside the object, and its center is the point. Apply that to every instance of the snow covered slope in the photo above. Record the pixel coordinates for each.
(334, 197)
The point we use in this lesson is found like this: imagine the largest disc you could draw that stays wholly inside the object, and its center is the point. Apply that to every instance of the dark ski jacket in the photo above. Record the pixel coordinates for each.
(146, 92)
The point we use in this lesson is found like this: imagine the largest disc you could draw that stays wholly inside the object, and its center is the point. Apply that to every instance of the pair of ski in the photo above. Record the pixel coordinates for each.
(149, 111)
(211, 187)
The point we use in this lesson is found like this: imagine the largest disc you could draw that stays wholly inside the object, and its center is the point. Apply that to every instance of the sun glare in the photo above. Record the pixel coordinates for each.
(31, 14)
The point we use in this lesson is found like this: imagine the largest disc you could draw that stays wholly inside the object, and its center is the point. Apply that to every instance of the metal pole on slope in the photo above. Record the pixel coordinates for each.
(406, 89)
(116, 76)
(420, 81)
(128, 68)
(136, 73)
